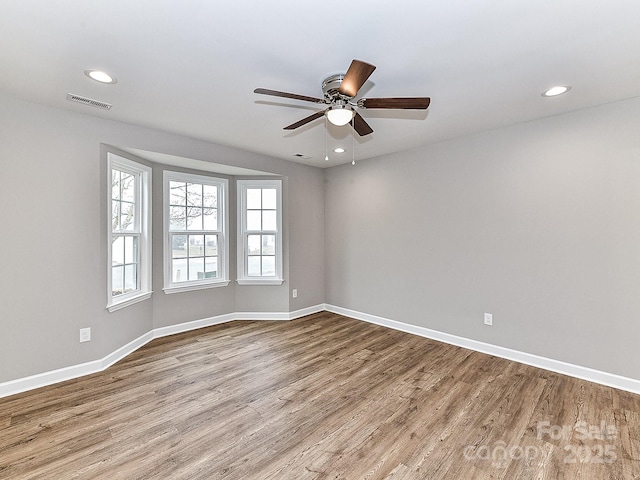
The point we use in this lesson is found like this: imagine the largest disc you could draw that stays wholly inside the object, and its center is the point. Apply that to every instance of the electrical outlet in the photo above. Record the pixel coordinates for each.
(294, 293)
(85, 335)
(488, 319)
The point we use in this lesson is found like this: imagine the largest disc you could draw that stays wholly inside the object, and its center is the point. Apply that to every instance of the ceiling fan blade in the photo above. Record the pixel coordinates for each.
(295, 96)
(361, 126)
(304, 121)
(405, 103)
(355, 77)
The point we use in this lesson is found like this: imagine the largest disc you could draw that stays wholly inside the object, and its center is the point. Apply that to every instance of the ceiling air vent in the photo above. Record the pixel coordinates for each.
(302, 155)
(88, 101)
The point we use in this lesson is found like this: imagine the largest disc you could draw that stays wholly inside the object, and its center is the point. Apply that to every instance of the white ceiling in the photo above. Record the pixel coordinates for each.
(191, 66)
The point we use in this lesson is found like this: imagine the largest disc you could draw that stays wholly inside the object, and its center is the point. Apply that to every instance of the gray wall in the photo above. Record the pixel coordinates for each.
(53, 239)
(538, 224)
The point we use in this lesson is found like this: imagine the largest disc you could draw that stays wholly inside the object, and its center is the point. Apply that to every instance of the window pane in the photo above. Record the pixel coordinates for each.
(115, 184)
(253, 220)
(253, 244)
(268, 266)
(211, 267)
(130, 280)
(254, 200)
(128, 187)
(194, 218)
(179, 270)
(117, 251)
(127, 220)
(269, 220)
(177, 218)
(209, 196)
(268, 244)
(210, 216)
(178, 246)
(253, 266)
(177, 194)
(196, 245)
(115, 216)
(130, 249)
(211, 245)
(117, 276)
(194, 194)
(269, 199)
(196, 268)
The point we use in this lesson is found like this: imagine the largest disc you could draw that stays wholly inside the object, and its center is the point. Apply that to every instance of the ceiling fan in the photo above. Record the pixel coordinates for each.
(339, 91)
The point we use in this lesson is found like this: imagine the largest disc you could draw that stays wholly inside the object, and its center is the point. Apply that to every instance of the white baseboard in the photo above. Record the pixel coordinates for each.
(604, 378)
(125, 350)
(47, 378)
(193, 325)
(20, 385)
(261, 316)
(307, 311)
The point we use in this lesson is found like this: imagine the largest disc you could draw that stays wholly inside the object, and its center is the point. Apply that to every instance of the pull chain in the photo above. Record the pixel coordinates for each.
(326, 133)
(353, 141)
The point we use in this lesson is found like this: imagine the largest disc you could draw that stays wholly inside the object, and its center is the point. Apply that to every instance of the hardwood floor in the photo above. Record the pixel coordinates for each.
(320, 397)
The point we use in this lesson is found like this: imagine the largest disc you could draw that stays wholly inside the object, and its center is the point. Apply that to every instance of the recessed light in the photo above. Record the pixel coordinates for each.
(339, 150)
(557, 90)
(100, 76)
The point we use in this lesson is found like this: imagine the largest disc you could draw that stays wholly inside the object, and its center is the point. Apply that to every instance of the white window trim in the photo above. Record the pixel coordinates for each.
(143, 201)
(223, 240)
(260, 281)
(242, 278)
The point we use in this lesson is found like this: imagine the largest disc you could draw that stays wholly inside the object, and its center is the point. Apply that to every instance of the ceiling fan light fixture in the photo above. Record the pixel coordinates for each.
(340, 115)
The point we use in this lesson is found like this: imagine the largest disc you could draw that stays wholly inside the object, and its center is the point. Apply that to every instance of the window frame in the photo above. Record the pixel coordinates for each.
(222, 232)
(242, 238)
(142, 230)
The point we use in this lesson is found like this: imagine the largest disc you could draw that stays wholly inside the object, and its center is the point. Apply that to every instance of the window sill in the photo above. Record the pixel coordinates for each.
(260, 281)
(199, 286)
(129, 301)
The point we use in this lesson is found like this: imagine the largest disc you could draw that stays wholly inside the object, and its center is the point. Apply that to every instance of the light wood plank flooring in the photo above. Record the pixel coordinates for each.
(320, 397)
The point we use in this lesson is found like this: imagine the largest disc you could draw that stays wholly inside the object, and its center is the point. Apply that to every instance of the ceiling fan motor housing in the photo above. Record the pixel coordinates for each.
(330, 86)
